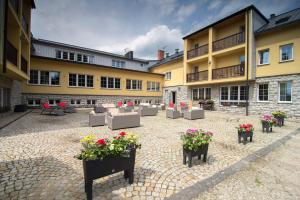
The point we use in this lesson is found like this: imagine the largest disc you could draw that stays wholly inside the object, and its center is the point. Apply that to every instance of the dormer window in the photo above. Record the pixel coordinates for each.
(65, 55)
(85, 58)
(79, 57)
(58, 54)
(72, 56)
(285, 19)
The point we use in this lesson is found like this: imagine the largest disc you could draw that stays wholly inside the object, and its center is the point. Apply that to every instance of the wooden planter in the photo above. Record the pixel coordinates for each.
(190, 154)
(244, 135)
(280, 121)
(94, 169)
(266, 127)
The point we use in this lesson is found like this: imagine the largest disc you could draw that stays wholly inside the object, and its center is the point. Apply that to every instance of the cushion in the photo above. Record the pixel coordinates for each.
(171, 105)
(119, 104)
(130, 103)
(46, 106)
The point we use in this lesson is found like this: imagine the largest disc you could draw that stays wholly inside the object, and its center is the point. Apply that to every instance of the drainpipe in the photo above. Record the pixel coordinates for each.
(5, 36)
(247, 78)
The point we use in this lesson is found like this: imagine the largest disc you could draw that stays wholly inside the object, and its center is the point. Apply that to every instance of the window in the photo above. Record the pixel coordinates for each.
(54, 78)
(118, 63)
(235, 94)
(79, 57)
(34, 77)
(44, 78)
(65, 55)
(133, 84)
(201, 93)
(110, 82)
(263, 57)
(58, 54)
(168, 76)
(53, 102)
(286, 52)
(153, 86)
(137, 102)
(285, 91)
(263, 92)
(91, 102)
(33, 102)
(72, 56)
(81, 80)
(75, 101)
(85, 58)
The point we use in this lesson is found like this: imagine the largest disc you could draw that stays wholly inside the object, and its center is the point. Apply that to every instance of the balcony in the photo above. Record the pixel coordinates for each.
(11, 53)
(230, 41)
(15, 5)
(202, 50)
(198, 76)
(229, 72)
(24, 65)
(25, 25)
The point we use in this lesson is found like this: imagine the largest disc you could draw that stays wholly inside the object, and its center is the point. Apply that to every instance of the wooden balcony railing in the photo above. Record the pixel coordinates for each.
(11, 53)
(229, 41)
(202, 50)
(15, 5)
(24, 65)
(228, 72)
(25, 24)
(198, 76)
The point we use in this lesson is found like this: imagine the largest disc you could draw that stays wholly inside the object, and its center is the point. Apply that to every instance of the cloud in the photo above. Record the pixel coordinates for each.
(165, 7)
(145, 46)
(214, 4)
(185, 11)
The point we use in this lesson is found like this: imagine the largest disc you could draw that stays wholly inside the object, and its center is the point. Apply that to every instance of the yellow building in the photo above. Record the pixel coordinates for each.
(85, 77)
(15, 50)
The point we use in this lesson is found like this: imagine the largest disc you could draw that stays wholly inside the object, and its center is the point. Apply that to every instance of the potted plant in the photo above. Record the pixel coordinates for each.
(105, 156)
(267, 123)
(195, 143)
(245, 131)
(279, 116)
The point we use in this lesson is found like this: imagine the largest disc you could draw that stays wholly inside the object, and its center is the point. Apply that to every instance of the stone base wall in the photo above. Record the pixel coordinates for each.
(83, 98)
(14, 88)
(292, 109)
(182, 94)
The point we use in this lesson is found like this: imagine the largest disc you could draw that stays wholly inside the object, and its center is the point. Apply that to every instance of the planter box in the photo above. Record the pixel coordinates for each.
(94, 169)
(190, 154)
(266, 127)
(280, 121)
(244, 135)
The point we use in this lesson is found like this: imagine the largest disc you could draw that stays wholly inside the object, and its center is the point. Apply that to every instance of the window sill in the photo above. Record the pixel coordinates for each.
(81, 87)
(262, 65)
(262, 101)
(285, 61)
(153, 90)
(44, 85)
(133, 90)
(110, 88)
(285, 102)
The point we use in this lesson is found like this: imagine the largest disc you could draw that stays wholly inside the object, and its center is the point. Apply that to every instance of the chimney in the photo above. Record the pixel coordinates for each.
(176, 50)
(272, 16)
(129, 55)
(167, 55)
(160, 54)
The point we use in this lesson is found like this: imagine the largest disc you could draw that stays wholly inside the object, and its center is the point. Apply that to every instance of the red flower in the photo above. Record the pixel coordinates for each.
(101, 142)
(122, 134)
(248, 129)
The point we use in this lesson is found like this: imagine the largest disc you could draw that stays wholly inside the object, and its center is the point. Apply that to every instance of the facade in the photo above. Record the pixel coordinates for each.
(15, 50)
(84, 77)
(244, 62)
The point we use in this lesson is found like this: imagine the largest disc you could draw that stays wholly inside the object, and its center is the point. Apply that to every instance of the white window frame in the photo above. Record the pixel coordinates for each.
(288, 102)
(155, 86)
(229, 93)
(114, 82)
(91, 104)
(198, 93)
(34, 102)
(39, 79)
(257, 93)
(280, 52)
(75, 100)
(118, 63)
(168, 76)
(137, 84)
(259, 60)
(54, 100)
(77, 81)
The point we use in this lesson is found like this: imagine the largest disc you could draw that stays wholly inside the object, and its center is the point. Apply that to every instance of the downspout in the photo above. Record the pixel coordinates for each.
(5, 36)
(247, 73)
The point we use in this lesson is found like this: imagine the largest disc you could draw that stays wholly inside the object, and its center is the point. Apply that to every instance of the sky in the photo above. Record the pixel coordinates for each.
(143, 26)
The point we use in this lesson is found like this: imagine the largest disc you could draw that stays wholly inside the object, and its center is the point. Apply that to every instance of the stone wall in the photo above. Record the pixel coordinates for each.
(16, 93)
(182, 94)
(292, 109)
(84, 98)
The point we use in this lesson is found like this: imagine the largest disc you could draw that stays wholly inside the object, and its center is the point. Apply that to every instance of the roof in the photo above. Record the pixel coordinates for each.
(225, 18)
(281, 20)
(35, 40)
(173, 57)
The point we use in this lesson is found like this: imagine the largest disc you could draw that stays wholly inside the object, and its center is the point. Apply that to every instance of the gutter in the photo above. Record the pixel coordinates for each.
(247, 74)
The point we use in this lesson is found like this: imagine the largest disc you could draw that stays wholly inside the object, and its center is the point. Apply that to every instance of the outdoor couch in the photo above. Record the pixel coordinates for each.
(172, 113)
(96, 119)
(123, 120)
(52, 110)
(66, 108)
(100, 109)
(148, 110)
(194, 113)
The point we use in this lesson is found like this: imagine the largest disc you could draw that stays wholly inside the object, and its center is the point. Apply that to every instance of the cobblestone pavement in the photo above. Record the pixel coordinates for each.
(36, 156)
(276, 176)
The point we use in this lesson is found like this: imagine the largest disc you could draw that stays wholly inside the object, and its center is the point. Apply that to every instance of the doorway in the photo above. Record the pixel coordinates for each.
(173, 97)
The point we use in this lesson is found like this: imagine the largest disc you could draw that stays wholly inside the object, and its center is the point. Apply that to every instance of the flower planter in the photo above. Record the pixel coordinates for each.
(280, 121)
(190, 154)
(266, 127)
(94, 169)
(244, 135)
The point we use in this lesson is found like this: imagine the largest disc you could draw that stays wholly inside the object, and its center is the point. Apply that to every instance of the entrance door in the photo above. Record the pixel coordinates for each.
(174, 97)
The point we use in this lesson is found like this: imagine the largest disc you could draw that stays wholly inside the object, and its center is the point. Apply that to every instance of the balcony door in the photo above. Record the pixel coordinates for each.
(195, 69)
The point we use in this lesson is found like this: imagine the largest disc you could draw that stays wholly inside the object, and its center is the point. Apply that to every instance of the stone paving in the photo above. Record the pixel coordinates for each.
(36, 156)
